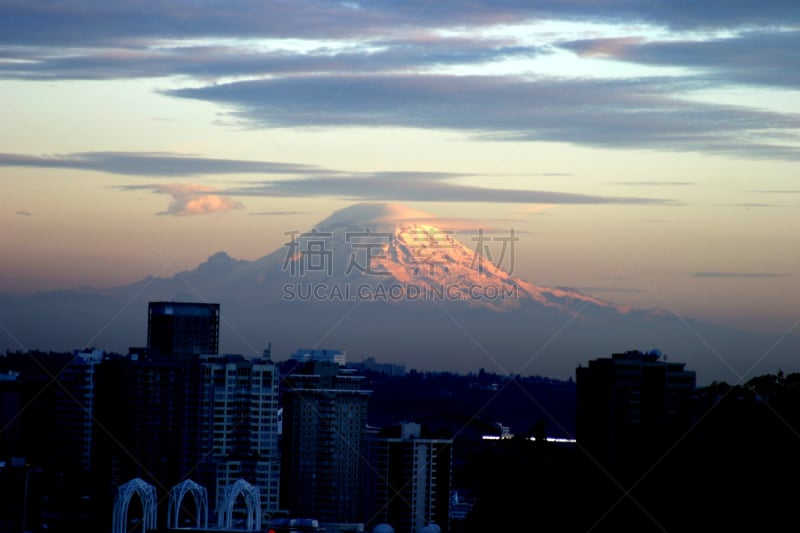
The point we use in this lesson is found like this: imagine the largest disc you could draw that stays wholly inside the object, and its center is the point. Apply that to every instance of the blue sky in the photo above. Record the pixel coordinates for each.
(645, 151)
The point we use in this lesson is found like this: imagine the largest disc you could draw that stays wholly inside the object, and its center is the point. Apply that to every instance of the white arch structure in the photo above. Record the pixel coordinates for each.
(252, 501)
(176, 495)
(122, 500)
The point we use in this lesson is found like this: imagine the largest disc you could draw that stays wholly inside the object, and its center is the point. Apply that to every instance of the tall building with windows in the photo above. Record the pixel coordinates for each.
(239, 426)
(631, 404)
(324, 425)
(162, 397)
(157, 396)
(184, 412)
(11, 402)
(409, 480)
(75, 408)
(182, 328)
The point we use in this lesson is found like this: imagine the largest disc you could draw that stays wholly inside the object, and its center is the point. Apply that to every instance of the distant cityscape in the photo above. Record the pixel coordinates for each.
(174, 435)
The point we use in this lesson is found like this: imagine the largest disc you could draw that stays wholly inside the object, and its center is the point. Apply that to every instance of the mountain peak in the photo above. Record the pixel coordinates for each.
(219, 257)
(378, 246)
(217, 263)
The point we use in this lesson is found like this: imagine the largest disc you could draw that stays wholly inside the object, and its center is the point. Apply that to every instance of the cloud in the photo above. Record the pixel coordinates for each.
(421, 187)
(152, 164)
(383, 212)
(205, 62)
(759, 57)
(538, 209)
(87, 24)
(746, 275)
(278, 213)
(753, 204)
(42, 40)
(625, 113)
(305, 181)
(654, 183)
(315, 63)
(191, 199)
(460, 225)
(24, 213)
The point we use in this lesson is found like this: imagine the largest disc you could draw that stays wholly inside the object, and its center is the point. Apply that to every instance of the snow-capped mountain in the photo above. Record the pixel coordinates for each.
(386, 281)
(386, 252)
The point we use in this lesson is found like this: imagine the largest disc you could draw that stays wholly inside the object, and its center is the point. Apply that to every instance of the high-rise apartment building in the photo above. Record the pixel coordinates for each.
(324, 424)
(75, 408)
(158, 394)
(182, 328)
(11, 402)
(190, 413)
(239, 426)
(162, 401)
(631, 404)
(409, 480)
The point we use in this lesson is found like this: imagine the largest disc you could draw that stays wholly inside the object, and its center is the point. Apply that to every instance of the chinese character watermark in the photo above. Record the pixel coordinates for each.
(483, 251)
(430, 251)
(426, 248)
(308, 252)
(367, 241)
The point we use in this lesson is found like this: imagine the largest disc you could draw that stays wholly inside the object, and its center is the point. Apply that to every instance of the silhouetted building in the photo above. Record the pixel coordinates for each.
(182, 328)
(47, 441)
(158, 395)
(75, 409)
(163, 403)
(631, 404)
(199, 416)
(239, 426)
(409, 480)
(390, 369)
(324, 424)
(11, 403)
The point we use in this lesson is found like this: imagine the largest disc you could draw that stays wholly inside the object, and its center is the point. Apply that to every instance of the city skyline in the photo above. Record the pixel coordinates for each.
(644, 154)
(163, 418)
(577, 488)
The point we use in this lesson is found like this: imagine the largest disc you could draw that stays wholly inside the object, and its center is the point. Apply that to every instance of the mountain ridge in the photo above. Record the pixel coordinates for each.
(537, 330)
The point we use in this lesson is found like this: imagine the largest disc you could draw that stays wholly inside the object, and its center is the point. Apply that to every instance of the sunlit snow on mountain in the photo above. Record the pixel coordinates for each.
(386, 252)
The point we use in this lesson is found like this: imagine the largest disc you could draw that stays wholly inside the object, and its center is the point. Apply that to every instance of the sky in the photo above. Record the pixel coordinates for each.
(644, 152)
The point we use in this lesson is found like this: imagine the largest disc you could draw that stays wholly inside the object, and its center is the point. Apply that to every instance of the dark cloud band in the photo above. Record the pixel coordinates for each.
(152, 164)
(635, 113)
(739, 275)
